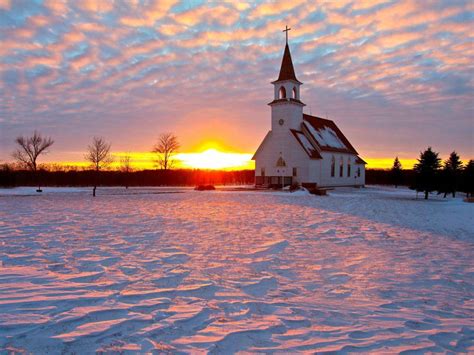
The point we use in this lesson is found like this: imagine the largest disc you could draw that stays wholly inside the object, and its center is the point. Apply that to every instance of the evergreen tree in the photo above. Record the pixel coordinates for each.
(467, 184)
(450, 175)
(396, 173)
(426, 171)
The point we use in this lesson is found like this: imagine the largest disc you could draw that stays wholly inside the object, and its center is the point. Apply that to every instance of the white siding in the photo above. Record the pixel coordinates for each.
(353, 180)
(291, 151)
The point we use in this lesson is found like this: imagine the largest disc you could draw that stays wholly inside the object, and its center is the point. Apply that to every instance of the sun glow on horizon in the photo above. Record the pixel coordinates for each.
(215, 160)
(210, 157)
(207, 159)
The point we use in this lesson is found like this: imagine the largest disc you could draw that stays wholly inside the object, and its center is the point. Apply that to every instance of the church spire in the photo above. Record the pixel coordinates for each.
(286, 89)
(287, 71)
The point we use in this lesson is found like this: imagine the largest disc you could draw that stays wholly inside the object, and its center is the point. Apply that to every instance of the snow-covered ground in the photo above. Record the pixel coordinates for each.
(370, 270)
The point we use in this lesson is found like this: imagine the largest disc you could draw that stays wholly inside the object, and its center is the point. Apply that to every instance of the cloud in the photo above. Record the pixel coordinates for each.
(131, 69)
(148, 14)
(95, 6)
(222, 15)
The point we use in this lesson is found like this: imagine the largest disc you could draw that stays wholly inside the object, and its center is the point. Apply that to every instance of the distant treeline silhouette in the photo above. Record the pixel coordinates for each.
(10, 177)
(429, 174)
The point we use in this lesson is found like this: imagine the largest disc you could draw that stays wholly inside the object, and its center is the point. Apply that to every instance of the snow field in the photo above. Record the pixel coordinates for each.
(370, 270)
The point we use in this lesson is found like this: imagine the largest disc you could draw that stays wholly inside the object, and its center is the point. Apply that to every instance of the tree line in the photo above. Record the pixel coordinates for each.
(98, 154)
(10, 177)
(99, 157)
(430, 174)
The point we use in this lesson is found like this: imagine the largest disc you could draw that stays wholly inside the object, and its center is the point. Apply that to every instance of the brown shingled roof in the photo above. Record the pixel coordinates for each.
(320, 124)
(312, 152)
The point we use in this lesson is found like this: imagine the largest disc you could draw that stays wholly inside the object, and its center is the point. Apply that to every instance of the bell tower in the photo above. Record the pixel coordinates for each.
(287, 108)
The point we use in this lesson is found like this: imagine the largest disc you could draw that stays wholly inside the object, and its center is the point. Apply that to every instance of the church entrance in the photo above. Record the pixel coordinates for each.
(275, 181)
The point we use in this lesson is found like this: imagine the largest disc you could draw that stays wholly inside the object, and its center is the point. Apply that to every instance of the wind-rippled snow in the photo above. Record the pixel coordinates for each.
(360, 270)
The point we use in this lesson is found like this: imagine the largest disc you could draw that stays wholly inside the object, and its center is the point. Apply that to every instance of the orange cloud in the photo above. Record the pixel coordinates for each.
(219, 14)
(148, 15)
(58, 7)
(396, 39)
(95, 5)
(274, 8)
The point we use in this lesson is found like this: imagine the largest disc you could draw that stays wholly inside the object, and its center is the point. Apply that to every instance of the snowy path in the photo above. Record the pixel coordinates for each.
(360, 270)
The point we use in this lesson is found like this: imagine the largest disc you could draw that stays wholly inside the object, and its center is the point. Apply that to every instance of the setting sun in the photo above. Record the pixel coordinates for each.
(214, 159)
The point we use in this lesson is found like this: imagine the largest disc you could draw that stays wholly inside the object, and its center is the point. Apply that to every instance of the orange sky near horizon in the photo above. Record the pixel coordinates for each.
(208, 158)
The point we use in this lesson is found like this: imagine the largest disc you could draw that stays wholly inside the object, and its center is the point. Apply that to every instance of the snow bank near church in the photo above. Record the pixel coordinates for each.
(359, 270)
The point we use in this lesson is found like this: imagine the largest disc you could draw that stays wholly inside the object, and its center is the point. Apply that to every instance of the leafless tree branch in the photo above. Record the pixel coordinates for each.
(30, 149)
(126, 163)
(98, 153)
(165, 150)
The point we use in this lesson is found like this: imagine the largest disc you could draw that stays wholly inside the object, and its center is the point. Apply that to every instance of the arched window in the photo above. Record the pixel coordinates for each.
(281, 162)
(333, 166)
(282, 93)
(349, 167)
(294, 92)
(341, 167)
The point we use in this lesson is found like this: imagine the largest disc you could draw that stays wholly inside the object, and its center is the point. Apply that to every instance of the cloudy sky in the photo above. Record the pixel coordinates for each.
(396, 76)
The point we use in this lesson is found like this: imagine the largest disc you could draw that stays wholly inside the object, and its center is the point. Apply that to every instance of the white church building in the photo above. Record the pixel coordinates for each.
(301, 148)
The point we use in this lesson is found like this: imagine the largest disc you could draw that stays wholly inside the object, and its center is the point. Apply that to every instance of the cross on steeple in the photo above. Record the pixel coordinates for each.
(286, 30)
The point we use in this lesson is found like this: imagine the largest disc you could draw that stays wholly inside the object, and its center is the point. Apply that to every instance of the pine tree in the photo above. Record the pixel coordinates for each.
(467, 184)
(451, 175)
(396, 173)
(426, 171)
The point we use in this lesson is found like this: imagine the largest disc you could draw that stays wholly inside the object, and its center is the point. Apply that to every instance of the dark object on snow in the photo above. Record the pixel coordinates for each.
(294, 187)
(319, 191)
(204, 188)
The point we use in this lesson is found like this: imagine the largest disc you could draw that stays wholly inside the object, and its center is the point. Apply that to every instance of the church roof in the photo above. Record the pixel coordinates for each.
(287, 71)
(307, 146)
(327, 135)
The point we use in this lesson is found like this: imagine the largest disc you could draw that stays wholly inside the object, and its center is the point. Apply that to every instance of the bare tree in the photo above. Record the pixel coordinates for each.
(98, 154)
(30, 149)
(126, 166)
(165, 150)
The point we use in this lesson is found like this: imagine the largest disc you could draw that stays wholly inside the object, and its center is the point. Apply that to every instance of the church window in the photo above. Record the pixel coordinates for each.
(281, 162)
(262, 172)
(341, 167)
(333, 166)
(358, 172)
(294, 92)
(349, 168)
(282, 94)
(295, 172)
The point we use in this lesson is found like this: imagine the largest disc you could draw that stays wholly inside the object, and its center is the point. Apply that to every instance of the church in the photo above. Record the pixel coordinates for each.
(300, 148)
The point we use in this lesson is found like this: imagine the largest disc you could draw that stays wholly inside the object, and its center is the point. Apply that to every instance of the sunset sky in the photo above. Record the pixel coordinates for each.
(396, 76)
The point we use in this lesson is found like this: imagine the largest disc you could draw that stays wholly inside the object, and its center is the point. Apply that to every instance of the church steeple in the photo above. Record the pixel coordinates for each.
(287, 87)
(287, 108)
(287, 71)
